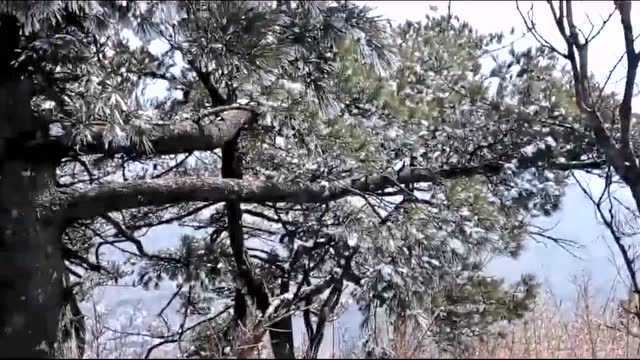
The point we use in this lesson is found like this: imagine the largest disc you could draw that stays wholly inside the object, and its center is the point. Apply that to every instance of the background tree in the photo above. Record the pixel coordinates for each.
(609, 120)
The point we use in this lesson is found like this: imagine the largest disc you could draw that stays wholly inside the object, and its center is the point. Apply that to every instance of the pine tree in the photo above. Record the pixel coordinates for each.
(374, 162)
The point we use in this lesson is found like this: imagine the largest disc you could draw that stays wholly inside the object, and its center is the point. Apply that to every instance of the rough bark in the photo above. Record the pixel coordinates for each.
(208, 132)
(31, 266)
(134, 194)
(281, 331)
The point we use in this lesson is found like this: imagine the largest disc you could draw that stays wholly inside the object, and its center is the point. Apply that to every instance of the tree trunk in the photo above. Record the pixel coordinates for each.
(232, 168)
(281, 331)
(31, 265)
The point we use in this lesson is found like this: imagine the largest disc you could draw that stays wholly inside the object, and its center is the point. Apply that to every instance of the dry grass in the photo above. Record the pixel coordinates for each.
(583, 328)
(545, 334)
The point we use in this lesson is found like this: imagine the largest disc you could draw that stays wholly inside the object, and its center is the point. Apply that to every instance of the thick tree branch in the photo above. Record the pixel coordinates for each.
(133, 194)
(206, 133)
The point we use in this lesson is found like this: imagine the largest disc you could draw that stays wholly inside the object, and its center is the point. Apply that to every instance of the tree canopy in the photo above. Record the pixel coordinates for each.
(312, 154)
